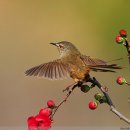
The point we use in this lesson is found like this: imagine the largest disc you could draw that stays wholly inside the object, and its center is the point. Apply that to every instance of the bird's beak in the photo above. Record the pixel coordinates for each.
(55, 44)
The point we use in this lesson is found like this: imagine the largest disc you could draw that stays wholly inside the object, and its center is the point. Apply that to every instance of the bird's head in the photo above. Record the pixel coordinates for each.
(65, 48)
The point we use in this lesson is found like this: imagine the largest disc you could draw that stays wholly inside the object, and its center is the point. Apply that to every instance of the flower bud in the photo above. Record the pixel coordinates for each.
(85, 88)
(123, 33)
(119, 39)
(98, 96)
(121, 80)
(50, 104)
(93, 105)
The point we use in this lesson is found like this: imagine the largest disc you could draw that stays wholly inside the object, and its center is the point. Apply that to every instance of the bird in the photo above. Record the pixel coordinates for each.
(71, 63)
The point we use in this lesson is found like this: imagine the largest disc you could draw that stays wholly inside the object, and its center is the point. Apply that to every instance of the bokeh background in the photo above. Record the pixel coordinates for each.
(26, 29)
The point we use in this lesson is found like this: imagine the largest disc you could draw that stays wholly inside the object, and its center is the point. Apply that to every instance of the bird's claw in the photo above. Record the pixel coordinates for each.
(66, 89)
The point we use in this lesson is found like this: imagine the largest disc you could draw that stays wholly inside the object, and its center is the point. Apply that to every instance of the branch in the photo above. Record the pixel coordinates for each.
(94, 82)
(109, 101)
(119, 114)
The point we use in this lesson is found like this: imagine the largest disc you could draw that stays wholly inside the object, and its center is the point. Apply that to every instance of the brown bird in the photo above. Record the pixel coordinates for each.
(71, 63)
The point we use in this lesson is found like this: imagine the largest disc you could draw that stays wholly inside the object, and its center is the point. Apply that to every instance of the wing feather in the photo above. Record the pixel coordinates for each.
(52, 70)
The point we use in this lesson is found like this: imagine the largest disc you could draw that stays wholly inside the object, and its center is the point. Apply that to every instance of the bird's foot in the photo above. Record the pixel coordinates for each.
(68, 87)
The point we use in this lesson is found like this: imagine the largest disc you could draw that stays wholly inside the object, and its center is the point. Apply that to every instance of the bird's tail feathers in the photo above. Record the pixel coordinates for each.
(115, 60)
(105, 68)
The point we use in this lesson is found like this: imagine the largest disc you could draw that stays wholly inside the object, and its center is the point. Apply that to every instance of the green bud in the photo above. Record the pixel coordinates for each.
(85, 88)
(98, 96)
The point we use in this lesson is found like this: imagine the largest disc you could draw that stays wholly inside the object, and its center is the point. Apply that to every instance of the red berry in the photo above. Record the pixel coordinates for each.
(123, 33)
(45, 112)
(121, 80)
(119, 39)
(93, 105)
(50, 104)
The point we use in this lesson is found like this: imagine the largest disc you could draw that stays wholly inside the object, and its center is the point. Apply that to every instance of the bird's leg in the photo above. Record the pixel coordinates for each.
(78, 84)
(68, 87)
(70, 91)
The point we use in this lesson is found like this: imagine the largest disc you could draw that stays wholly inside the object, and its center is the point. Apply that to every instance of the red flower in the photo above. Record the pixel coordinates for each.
(45, 112)
(44, 122)
(39, 122)
(32, 123)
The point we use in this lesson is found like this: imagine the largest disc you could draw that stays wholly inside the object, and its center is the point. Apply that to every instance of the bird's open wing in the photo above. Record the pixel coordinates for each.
(99, 65)
(51, 70)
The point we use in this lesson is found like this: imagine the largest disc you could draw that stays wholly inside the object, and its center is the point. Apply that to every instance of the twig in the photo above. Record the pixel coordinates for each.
(65, 99)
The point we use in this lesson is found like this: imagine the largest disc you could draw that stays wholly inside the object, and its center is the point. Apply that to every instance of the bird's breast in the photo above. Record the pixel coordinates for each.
(79, 73)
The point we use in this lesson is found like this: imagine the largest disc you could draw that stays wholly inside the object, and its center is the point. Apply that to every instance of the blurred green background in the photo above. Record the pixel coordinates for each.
(26, 29)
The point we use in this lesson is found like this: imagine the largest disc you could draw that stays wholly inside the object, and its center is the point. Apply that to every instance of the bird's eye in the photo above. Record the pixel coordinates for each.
(61, 46)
